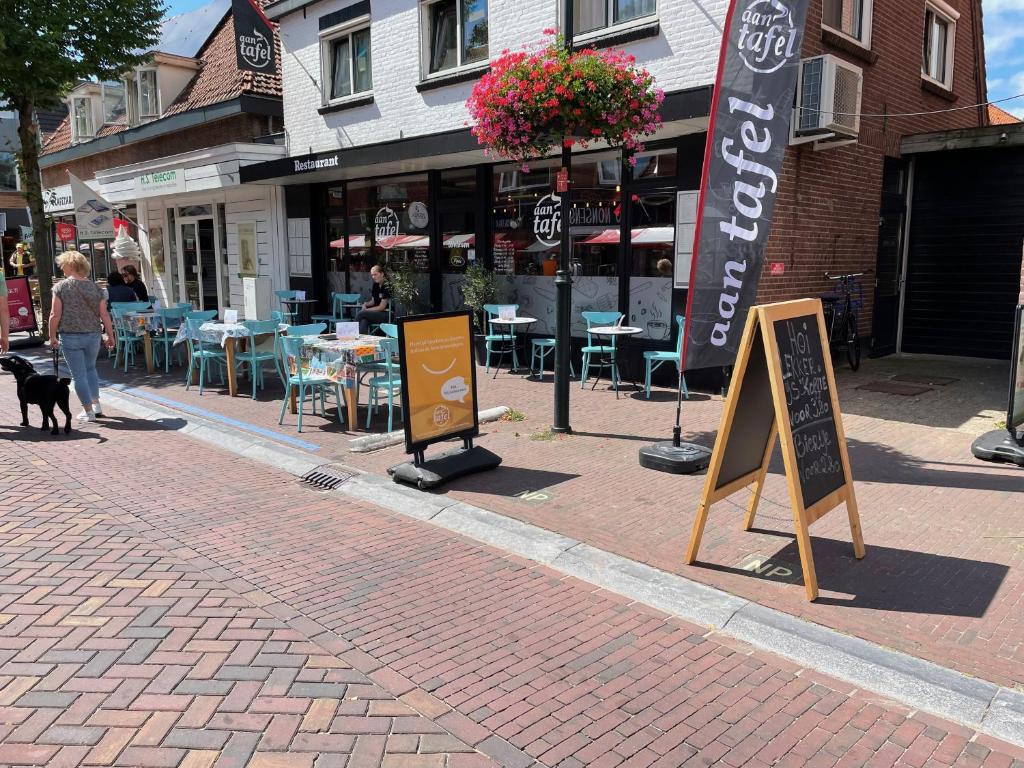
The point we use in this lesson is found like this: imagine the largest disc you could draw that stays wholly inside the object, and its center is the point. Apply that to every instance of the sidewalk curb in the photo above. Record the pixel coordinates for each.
(368, 443)
(921, 685)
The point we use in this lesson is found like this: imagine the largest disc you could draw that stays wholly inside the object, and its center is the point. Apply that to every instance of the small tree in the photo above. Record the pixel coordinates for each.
(401, 284)
(479, 287)
(46, 46)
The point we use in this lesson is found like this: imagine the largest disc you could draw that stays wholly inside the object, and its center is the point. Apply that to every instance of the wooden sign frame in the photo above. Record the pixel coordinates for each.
(760, 329)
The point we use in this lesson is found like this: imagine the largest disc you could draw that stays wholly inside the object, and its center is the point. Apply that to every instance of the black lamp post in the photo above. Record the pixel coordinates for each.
(563, 282)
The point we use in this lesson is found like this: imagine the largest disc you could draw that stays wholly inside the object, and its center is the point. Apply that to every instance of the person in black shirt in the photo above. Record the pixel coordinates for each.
(117, 290)
(376, 309)
(133, 281)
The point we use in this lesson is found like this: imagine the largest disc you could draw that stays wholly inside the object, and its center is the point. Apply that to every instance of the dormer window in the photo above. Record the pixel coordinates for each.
(113, 103)
(149, 96)
(81, 119)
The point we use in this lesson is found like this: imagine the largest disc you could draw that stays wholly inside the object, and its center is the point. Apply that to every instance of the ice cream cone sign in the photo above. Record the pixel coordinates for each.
(126, 250)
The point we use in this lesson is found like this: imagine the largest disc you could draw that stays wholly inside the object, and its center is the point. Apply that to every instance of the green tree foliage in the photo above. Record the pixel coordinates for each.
(46, 47)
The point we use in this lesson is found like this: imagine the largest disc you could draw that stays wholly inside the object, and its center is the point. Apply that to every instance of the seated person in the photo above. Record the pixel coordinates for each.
(117, 290)
(133, 281)
(376, 309)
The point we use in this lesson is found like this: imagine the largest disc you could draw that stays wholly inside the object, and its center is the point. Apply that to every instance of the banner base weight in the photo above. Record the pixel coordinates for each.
(682, 459)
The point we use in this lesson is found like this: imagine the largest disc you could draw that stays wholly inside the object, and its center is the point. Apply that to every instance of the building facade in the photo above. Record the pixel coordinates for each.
(381, 166)
(165, 145)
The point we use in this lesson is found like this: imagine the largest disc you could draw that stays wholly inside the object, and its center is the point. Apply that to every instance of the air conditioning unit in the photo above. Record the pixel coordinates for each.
(828, 98)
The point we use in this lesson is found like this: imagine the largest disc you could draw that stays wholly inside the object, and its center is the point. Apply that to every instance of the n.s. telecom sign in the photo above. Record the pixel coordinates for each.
(254, 38)
(750, 116)
(160, 182)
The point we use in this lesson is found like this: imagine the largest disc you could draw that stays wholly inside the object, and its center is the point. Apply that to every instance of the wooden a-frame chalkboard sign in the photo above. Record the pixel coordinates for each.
(783, 386)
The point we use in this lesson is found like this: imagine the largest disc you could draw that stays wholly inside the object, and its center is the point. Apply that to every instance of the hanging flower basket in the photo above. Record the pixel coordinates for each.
(530, 102)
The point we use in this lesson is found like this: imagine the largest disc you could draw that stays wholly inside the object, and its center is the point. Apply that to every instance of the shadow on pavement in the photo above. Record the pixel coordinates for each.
(33, 434)
(119, 423)
(510, 481)
(887, 579)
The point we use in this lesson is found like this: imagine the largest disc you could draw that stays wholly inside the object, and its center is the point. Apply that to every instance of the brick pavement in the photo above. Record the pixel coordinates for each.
(944, 576)
(166, 603)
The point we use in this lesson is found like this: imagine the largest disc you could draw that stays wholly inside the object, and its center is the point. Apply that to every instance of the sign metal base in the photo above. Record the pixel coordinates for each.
(998, 445)
(445, 467)
(682, 459)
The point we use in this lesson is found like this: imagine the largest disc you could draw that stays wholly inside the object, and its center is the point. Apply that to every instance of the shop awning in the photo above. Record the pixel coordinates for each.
(640, 236)
(354, 241)
(459, 241)
(404, 241)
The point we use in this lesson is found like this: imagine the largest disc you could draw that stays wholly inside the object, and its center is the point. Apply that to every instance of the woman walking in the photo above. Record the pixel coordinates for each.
(78, 312)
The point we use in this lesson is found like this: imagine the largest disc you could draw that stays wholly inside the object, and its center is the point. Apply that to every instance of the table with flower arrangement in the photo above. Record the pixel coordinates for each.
(144, 322)
(339, 360)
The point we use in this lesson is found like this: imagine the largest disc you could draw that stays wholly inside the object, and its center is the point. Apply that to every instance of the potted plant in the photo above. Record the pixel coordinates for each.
(479, 287)
(531, 102)
(401, 283)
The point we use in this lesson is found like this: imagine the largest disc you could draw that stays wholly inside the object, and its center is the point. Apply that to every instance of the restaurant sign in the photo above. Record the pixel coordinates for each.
(57, 199)
(438, 378)
(385, 224)
(547, 220)
(160, 182)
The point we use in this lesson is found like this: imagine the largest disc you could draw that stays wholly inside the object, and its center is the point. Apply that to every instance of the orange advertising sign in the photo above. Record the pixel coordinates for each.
(438, 378)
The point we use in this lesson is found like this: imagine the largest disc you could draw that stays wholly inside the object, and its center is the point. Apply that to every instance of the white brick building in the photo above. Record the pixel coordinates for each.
(382, 167)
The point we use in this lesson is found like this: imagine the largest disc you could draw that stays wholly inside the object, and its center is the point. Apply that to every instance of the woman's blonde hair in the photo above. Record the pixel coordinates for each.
(76, 260)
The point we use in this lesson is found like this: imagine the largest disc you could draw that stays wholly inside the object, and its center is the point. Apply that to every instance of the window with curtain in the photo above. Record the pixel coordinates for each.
(348, 70)
(850, 17)
(149, 103)
(938, 44)
(593, 15)
(82, 111)
(457, 33)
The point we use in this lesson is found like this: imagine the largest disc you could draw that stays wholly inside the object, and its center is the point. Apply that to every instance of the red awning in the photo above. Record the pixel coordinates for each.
(459, 241)
(641, 236)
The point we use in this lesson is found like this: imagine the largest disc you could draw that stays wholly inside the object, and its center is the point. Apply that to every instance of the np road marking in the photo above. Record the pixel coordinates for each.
(534, 496)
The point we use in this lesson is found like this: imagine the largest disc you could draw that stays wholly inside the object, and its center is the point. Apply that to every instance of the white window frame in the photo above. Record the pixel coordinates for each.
(425, 41)
(949, 15)
(156, 87)
(103, 100)
(867, 12)
(76, 135)
(131, 100)
(612, 26)
(327, 38)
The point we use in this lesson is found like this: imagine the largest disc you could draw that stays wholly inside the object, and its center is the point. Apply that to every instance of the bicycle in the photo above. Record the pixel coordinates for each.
(841, 316)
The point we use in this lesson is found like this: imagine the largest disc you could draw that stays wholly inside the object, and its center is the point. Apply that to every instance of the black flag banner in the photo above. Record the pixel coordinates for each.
(254, 38)
(750, 115)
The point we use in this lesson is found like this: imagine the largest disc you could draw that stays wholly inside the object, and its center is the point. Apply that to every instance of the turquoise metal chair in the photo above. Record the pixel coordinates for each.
(171, 319)
(654, 359)
(186, 305)
(599, 319)
(284, 296)
(310, 329)
(338, 302)
(201, 353)
(203, 314)
(260, 351)
(280, 317)
(491, 338)
(388, 383)
(127, 338)
(303, 383)
(539, 350)
(390, 330)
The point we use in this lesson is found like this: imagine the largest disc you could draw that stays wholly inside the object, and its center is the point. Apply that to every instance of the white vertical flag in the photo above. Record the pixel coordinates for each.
(94, 216)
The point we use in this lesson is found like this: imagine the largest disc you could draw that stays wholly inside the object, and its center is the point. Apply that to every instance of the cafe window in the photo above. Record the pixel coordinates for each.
(658, 164)
(594, 15)
(345, 56)
(652, 248)
(596, 214)
(527, 219)
(457, 210)
(850, 18)
(939, 37)
(389, 224)
(456, 33)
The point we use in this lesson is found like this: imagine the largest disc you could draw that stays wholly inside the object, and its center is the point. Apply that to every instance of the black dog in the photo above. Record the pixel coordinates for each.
(42, 390)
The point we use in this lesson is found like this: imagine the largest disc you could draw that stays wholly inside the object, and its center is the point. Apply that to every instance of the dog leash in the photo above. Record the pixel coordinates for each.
(53, 352)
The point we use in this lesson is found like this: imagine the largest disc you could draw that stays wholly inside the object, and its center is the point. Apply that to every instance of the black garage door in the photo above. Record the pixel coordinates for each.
(964, 265)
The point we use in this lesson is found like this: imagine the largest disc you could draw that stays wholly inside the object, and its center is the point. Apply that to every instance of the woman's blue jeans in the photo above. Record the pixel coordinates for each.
(80, 352)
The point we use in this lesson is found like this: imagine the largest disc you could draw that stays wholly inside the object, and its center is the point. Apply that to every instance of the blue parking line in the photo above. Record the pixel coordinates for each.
(179, 406)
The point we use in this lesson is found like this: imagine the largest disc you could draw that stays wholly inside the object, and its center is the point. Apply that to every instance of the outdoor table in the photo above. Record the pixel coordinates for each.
(302, 309)
(345, 356)
(224, 334)
(147, 320)
(512, 323)
(612, 332)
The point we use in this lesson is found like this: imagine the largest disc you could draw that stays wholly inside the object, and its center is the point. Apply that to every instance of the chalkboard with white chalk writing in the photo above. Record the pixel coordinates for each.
(812, 422)
(783, 386)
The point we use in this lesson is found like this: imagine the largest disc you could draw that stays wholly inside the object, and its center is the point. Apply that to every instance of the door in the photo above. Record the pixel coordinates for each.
(199, 256)
(889, 263)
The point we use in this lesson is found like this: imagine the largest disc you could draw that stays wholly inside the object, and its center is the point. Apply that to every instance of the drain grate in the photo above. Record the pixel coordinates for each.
(326, 478)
